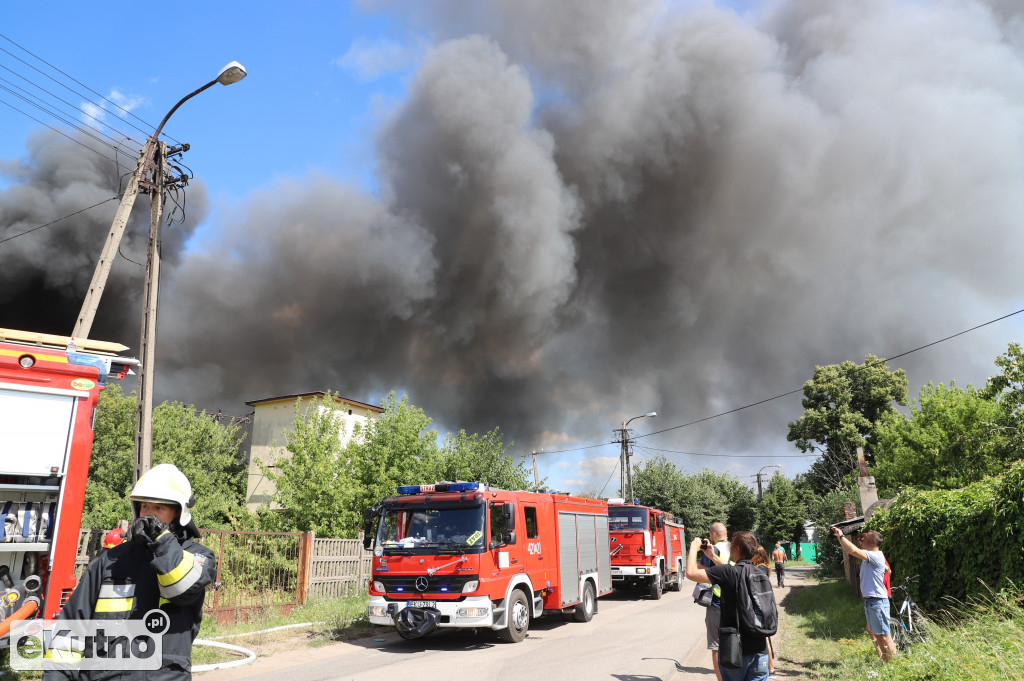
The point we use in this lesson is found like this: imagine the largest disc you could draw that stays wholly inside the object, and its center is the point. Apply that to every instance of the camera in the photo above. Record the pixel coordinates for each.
(704, 544)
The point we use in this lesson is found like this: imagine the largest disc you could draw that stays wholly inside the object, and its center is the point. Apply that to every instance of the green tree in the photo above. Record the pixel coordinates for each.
(481, 458)
(394, 449)
(1007, 388)
(824, 511)
(659, 484)
(207, 452)
(951, 439)
(316, 485)
(781, 514)
(842, 403)
(741, 510)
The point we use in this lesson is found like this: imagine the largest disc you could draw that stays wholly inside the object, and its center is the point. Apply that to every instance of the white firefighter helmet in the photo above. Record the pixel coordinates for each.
(164, 484)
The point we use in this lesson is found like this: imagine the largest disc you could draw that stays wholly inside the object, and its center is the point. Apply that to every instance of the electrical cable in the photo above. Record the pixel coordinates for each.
(881, 360)
(59, 132)
(151, 126)
(732, 456)
(78, 109)
(65, 121)
(112, 198)
(794, 392)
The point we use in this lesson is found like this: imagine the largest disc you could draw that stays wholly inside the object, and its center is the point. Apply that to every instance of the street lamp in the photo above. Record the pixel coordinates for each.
(625, 474)
(154, 155)
(760, 495)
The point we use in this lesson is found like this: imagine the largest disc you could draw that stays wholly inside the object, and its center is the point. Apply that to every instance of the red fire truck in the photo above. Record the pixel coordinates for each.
(49, 387)
(647, 548)
(464, 555)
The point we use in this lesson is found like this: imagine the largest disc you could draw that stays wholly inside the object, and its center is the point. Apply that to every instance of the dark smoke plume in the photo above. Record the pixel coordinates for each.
(592, 209)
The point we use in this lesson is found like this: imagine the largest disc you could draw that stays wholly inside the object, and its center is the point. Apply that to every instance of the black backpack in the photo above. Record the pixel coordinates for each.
(756, 611)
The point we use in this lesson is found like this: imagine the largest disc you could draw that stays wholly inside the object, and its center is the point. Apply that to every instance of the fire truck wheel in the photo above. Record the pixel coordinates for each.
(517, 618)
(677, 581)
(585, 610)
(655, 591)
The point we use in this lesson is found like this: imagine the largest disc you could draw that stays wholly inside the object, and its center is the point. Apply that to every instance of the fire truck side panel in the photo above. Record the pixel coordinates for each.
(48, 398)
(568, 559)
(604, 560)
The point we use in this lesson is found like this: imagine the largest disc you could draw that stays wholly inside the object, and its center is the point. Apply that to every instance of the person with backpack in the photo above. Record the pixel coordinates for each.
(749, 614)
(873, 572)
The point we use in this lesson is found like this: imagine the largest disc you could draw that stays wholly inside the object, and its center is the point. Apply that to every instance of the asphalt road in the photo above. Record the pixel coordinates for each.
(631, 638)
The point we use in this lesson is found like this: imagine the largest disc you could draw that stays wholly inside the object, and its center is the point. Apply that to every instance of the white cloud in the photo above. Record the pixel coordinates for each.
(371, 59)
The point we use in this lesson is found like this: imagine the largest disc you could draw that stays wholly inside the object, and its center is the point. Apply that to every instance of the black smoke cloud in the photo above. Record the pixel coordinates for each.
(45, 271)
(588, 210)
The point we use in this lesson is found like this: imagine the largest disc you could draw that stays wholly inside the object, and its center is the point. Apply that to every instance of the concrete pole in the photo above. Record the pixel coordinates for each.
(147, 343)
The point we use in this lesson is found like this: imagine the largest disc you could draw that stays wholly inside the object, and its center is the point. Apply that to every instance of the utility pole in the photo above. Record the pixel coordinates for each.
(624, 464)
(147, 343)
(760, 494)
(536, 475)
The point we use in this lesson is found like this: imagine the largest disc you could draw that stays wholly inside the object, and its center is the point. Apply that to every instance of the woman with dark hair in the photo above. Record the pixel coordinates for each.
(754, 657)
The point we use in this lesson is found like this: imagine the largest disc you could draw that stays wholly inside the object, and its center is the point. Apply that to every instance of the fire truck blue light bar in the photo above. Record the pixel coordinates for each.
(439, 487)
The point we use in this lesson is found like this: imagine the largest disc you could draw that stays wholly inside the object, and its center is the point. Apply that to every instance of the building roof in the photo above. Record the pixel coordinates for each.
(315, 393)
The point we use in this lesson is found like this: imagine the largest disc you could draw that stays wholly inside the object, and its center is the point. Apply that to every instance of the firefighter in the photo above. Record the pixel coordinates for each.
(159, 565)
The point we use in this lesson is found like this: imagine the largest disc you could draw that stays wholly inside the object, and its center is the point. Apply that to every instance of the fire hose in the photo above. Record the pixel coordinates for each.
(21, 613)
(250, 655)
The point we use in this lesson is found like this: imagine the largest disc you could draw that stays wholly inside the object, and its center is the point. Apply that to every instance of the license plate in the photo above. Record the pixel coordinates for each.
(421, 604)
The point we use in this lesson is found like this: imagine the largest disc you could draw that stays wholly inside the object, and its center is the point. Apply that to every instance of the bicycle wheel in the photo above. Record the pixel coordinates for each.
(900, 635)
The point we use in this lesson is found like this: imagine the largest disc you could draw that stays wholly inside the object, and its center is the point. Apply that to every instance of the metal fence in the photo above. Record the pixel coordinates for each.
(255, 571)
(261, 570)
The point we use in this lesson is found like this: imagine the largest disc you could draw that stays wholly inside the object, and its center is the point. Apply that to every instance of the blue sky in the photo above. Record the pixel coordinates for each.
(323, 77)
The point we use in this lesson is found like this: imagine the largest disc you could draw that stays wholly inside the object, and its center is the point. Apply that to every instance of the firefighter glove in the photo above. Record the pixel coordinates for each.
(145, 531)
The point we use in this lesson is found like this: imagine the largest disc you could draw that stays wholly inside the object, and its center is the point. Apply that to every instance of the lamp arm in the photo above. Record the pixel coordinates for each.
(156, 135)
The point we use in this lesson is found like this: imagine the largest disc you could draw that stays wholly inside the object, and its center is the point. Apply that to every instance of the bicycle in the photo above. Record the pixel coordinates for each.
(907, 625)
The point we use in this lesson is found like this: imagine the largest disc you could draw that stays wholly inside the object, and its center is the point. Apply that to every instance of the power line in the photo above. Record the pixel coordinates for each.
(112, 198)
(799, 390)
(732, 456)
(787, 394)
(151, 126)
(78, 109)
(60, 132)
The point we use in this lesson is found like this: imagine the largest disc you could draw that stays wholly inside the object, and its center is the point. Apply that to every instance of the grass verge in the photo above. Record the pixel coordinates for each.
(823, 637)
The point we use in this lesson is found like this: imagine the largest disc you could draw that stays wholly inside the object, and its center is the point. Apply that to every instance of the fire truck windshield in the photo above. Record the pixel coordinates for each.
(627, 518)
(432, 530)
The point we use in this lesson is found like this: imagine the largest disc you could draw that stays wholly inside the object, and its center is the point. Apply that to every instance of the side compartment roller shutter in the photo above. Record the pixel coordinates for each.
(669, 553)
(569, 569)
(588, 543)
(604, 558)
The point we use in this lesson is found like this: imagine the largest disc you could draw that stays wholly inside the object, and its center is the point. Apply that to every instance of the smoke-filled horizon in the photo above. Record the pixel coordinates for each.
(590, 210)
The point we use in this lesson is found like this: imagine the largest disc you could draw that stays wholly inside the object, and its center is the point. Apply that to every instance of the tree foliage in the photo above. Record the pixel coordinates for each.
(394, 449)
(951, 439)
(781, 513)
(699, 499)
(315, 484)
(481, 458)
(1007, 388)
(207, 452)
(960, 542)
(842, 403)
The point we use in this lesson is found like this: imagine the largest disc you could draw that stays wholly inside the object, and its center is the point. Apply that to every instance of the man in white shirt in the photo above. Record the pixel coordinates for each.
(872, 588)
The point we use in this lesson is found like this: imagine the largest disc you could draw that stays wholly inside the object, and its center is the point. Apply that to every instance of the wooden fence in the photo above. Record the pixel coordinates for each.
(259, 570)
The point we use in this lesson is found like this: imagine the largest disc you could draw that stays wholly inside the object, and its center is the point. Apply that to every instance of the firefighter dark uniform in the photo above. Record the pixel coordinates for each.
(157, 567)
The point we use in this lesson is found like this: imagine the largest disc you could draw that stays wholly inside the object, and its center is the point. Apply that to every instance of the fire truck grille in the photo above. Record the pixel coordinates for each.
(438, 584)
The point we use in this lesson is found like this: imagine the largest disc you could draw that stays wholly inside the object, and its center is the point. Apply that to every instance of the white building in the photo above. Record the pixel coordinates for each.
(274, 416)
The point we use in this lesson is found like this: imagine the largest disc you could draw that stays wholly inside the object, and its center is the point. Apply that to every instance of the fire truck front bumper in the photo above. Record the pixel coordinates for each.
(630, 573)
(413, 617)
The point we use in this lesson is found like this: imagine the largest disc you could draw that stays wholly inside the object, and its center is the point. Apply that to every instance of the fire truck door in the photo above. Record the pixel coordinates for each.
(540, 550)
(507, 555)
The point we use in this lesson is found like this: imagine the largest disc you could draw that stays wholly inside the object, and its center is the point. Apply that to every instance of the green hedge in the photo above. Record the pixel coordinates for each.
(960, 542)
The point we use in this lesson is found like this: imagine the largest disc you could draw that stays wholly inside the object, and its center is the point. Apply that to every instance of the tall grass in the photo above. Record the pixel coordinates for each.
(982, 640)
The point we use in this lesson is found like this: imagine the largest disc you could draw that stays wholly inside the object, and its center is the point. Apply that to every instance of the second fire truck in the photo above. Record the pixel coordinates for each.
(467, 556)
(647, 548)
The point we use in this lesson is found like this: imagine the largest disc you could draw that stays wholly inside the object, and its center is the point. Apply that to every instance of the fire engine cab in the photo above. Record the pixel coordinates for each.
(49, 388)
(465, 555)
(647, 549)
